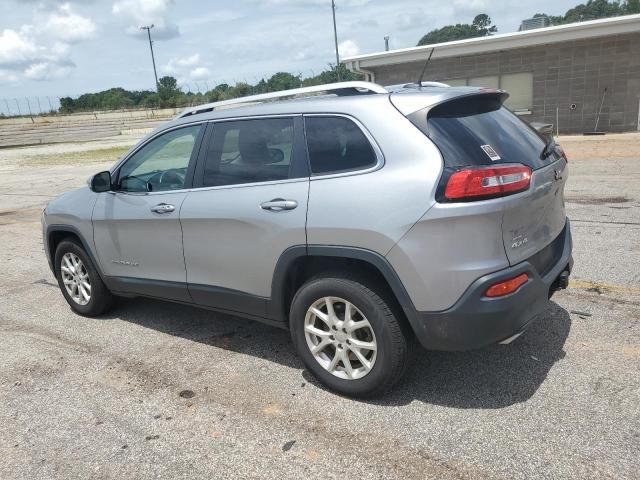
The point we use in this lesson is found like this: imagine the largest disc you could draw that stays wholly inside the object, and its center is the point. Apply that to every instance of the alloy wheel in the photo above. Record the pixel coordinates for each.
(340, 338)
(75, 278)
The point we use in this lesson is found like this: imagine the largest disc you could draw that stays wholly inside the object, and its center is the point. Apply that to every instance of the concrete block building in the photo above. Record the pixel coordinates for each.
(561, 75)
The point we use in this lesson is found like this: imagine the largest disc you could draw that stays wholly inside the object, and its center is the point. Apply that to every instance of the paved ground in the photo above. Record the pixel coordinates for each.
(155, 390)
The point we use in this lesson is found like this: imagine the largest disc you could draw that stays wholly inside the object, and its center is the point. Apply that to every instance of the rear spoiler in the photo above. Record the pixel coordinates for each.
(424, 100)
(451, 104)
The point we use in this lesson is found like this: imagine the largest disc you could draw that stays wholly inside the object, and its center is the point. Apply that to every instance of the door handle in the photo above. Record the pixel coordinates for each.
(163, 208)
(278, 205)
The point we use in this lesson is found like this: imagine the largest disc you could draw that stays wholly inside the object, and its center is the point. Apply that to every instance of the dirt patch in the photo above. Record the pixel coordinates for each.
(597, 200)
(608, 147)
(19, 216)
(101, 155)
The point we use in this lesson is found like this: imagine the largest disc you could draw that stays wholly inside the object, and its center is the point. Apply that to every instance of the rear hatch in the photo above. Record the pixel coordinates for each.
(475, 132)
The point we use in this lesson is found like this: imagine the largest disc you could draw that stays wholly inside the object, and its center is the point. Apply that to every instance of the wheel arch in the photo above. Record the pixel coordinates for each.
(55, 234)
(299, 263)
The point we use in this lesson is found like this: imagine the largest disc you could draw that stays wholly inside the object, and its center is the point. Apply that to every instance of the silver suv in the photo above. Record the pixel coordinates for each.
(361, 218)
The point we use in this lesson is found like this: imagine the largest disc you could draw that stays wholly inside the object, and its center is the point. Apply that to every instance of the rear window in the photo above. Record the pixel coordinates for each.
(478, 130)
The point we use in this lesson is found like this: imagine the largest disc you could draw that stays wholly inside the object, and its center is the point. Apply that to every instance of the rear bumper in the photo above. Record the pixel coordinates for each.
(476, 321)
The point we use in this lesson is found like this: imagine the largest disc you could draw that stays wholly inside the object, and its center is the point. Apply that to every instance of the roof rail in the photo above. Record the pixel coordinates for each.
(341, 88)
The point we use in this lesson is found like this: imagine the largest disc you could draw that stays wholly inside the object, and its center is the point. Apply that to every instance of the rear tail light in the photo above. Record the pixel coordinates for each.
(506, 287)
(487, 182)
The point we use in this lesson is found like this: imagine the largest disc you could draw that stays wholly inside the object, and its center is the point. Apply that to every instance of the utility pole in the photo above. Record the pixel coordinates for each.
(148, 29)
(335, 38)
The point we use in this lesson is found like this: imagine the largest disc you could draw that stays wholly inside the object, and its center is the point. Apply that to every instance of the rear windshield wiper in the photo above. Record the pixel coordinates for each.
(548, 149)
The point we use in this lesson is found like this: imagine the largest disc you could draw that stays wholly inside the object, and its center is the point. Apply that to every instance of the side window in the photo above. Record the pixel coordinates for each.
(248, 151)
(161, 164)
(337, 144)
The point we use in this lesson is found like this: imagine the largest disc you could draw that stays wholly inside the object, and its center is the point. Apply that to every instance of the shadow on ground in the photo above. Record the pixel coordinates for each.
(494, 377)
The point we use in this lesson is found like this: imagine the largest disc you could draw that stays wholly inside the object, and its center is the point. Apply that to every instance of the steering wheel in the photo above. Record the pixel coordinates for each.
(167, 180)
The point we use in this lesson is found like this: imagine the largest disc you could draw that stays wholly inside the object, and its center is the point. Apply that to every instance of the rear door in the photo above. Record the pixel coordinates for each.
(476, 131)
(249, 206)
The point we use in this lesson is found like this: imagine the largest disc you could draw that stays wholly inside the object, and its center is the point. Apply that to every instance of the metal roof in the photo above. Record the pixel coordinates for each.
(540, 36)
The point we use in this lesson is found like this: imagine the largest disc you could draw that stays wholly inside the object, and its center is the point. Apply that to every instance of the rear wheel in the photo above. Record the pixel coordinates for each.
(79, 281)
(348, 336)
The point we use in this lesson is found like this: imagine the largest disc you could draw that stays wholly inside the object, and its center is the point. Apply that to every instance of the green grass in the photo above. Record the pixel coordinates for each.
(101, 155)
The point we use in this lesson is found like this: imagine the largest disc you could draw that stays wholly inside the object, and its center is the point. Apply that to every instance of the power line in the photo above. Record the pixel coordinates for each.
(148, 29)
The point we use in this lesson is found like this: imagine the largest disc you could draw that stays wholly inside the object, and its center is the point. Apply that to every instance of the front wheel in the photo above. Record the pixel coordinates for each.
(348, 336)
(79, 281)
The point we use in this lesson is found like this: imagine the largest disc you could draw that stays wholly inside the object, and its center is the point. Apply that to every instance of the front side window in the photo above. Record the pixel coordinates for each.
(249, 151)
(337, 144)
(161, 164)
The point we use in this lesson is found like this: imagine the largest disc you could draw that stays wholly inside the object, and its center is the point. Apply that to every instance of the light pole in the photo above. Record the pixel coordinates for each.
(148, 29)
(335, 38)
(386, 43)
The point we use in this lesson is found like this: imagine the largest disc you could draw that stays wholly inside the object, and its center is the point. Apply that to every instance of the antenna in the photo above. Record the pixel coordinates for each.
(424, 69)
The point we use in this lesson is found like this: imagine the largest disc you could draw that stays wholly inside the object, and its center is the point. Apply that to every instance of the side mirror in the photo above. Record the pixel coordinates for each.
(101, 182)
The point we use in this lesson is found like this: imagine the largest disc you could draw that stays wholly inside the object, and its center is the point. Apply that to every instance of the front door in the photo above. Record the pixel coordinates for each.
(137, 229)
(250, 207)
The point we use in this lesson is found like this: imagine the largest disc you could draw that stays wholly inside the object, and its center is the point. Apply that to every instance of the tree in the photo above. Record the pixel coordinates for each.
(168, 91)
(482, 23)
(283, 81)
(170, 95)
(168, 83)
(480, 27)
(66, 105)
(593, 10)
(331, 76)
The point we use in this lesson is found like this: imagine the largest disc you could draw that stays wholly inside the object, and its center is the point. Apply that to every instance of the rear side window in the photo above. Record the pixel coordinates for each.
(337, 144)
(248, 151)
(478, 130)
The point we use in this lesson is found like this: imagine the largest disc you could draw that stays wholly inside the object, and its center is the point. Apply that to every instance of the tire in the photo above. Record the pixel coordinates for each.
(384, 331)
(100, 298)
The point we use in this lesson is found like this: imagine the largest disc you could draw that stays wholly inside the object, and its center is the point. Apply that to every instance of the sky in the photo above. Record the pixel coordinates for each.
(65, 48)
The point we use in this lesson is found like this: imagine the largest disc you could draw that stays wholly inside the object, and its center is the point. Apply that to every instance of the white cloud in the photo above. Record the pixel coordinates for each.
(181, 64)
(200, 73)
(475, 6)
(69, 26)
(411, 19)
(40, 54)
(138, 13)
(188, 61)
(17, 48)
(186, 68)
(348, 48)
(47, 70)
(8, 76)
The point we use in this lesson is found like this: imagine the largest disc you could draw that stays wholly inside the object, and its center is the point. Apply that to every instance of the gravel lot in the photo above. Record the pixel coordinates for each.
(156, 390)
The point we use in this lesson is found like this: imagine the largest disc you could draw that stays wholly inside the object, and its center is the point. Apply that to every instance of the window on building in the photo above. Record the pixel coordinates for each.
(520, 88)
(456, 82)
(490, 81)
(518, 85)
